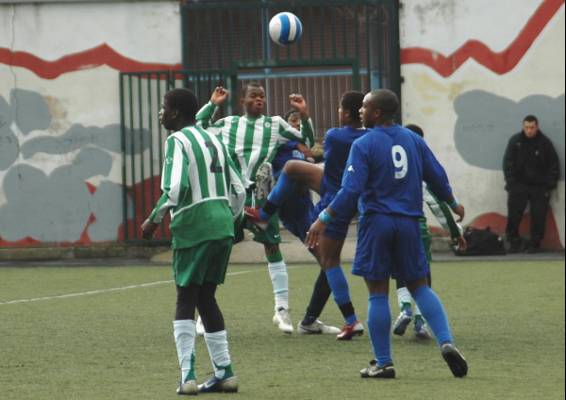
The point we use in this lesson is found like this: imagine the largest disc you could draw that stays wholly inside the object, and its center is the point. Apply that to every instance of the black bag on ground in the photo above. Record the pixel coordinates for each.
(482, 242)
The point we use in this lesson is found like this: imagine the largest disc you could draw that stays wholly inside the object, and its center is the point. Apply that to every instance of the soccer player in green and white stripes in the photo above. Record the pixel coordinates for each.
(203, 192)
(253, 139)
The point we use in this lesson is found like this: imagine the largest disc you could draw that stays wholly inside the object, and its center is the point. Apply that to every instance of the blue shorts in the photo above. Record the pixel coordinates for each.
(299, 212)
(390, 245)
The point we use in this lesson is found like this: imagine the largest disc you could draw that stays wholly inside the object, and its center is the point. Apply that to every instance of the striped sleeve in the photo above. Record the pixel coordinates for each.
(237, 190)
(442, 214)
(174, 180)
(204, 119)
(287, 133)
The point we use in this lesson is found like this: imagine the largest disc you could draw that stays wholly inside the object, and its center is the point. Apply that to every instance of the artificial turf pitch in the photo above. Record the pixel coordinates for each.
(94, 343)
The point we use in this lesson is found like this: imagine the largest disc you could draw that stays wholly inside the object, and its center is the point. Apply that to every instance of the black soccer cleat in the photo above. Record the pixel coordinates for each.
(215, 385)
(455, 360)
(374, 371)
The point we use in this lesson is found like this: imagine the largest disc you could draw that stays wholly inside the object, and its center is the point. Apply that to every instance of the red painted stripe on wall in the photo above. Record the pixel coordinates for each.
(91, 58)
(501, 62)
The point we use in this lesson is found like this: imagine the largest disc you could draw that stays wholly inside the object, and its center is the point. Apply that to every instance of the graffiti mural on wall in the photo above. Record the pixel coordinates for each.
(486, 121)
(60, 206)
(79, 199)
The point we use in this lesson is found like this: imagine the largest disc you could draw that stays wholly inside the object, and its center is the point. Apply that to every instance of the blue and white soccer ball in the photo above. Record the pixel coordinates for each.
(285, 28)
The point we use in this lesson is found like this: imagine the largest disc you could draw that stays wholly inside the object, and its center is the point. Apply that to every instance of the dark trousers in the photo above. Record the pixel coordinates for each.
(517, 200)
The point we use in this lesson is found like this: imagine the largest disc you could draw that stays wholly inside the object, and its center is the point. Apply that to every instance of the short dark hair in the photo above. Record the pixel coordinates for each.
(530, 118)
(416, 129)
(289, 113)
(352, 102)
(386, 101)
(249, 85)
(184, 101)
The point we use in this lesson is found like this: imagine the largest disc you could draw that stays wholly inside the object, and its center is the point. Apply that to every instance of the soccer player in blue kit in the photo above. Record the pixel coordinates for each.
(297, 215)
(385, 169)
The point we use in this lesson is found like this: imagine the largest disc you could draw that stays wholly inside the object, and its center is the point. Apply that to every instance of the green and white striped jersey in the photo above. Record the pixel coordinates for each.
(442, 213)
(251, 141)
(199, 184)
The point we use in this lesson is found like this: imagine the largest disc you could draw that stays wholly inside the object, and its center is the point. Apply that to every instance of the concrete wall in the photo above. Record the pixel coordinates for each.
(60, 161)
(472, 70)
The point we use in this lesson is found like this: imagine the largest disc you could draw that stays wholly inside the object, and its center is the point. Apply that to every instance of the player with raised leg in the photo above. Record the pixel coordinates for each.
(295, 177)
(385, 170)
(197, 181)
(252, 139)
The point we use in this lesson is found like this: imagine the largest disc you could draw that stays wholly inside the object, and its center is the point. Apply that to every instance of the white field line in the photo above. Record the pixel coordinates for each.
(116, 289)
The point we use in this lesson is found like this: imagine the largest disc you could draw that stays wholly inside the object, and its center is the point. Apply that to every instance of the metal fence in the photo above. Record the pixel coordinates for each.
(346, 45)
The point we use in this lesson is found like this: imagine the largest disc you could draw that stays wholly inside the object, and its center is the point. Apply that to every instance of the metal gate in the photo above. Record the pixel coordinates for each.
(347, 45)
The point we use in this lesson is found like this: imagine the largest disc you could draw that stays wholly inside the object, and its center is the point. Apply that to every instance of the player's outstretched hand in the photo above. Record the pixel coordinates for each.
(148, 229)
(299, 104)
(316, 229)
(460, 212)
(219, 96)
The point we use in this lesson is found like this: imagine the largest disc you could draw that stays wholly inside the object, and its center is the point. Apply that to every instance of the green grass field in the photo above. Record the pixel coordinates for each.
(507, 317)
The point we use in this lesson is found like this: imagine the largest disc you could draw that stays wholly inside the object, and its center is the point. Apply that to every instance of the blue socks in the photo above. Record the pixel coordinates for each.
(433, 311)
(284, 187)
(339, 286)
(379, 325)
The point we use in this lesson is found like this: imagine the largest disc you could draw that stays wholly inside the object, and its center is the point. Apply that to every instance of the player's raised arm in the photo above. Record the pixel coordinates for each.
(306, 134)
(205, 114)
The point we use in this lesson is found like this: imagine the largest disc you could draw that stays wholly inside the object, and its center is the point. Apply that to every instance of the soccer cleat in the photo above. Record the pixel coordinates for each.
(421, 329)
(263, 181)
(189, 388)
(402, 321)
(317, 328)
(455, 360)
(252, 214)
(351, 330)
(375, 371)
(215, 385)
(282, 319)
(200, 326)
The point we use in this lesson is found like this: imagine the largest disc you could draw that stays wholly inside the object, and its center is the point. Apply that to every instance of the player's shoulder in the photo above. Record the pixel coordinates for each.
(275, 119)
(333, 134)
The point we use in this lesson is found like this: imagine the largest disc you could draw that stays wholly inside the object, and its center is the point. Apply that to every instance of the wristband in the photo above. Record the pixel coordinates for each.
(454, 204)
(325, 217)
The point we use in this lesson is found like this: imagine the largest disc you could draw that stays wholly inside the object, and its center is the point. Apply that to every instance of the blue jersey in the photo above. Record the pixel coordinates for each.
(386, 169)
(288, 151)
(337, 144)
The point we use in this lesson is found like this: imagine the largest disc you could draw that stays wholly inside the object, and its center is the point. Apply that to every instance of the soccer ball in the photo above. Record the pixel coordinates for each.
(285, 28)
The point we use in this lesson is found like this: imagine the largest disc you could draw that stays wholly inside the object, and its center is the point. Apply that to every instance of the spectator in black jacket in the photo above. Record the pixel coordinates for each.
(531, 172)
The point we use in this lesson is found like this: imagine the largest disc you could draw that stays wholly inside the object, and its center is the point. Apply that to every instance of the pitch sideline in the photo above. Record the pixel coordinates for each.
(116, 289)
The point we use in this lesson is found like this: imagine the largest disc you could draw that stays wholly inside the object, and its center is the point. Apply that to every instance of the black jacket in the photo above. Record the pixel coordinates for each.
(530, 162)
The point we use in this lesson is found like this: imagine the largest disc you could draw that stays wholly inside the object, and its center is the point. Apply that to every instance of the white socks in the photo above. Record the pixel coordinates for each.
(403, 296)
(185, 333)
(280, 282)
(217, 344)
